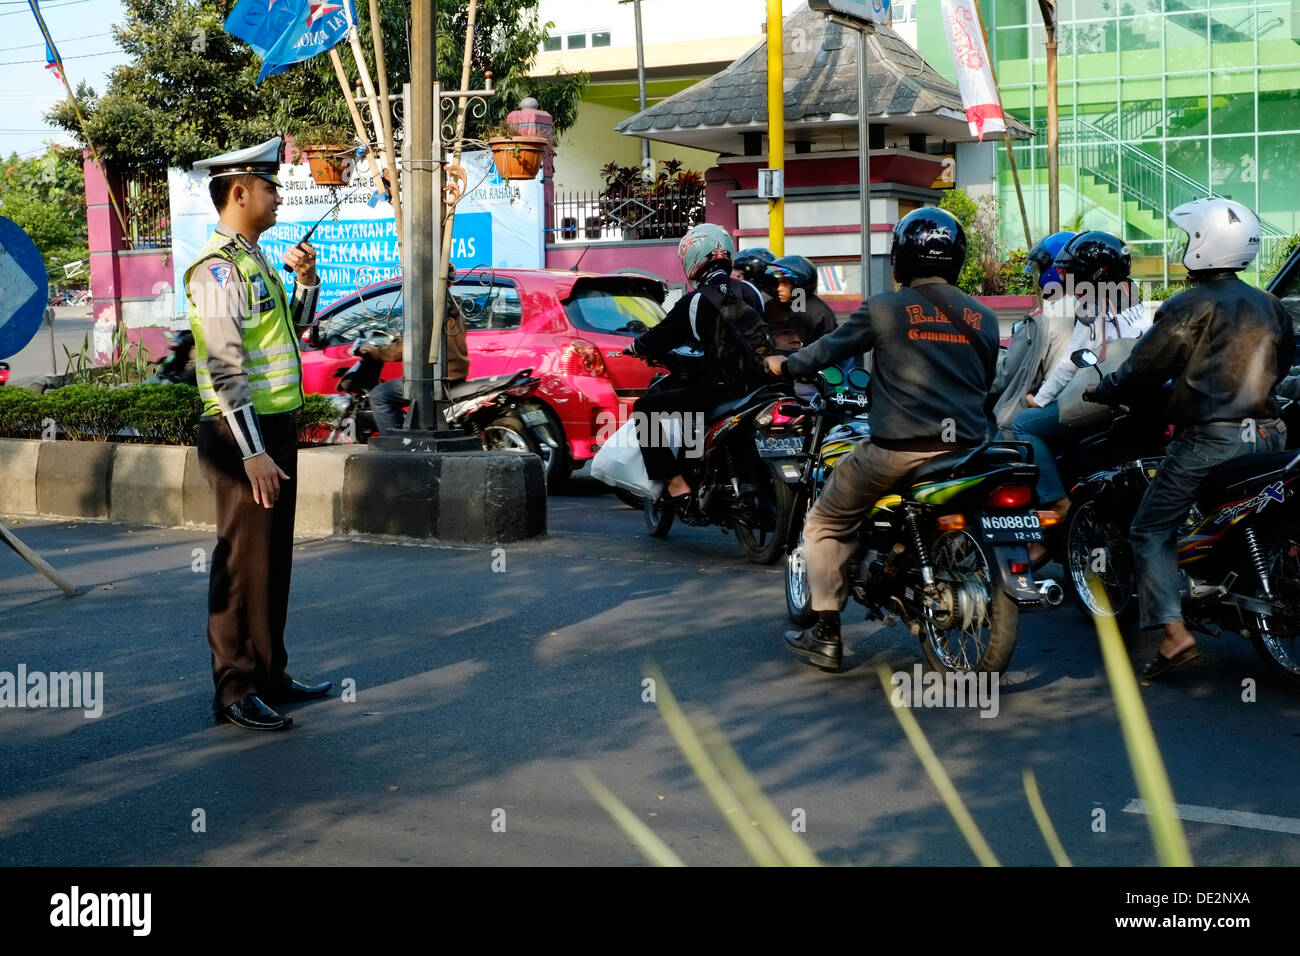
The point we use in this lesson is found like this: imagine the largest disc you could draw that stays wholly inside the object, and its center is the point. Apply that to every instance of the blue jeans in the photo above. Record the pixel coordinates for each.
(1154, 534)
(387, 404)
(1039, 426)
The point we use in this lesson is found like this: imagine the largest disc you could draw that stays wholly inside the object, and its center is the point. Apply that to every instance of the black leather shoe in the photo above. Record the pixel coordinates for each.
(293, 690)
(250, 712)
(816, 648)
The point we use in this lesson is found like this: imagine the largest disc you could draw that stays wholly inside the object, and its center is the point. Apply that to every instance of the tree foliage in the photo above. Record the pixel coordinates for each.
(190, 89)
(46, 197)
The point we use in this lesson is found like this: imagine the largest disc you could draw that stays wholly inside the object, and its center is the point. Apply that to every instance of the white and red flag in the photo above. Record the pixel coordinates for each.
(979, 94)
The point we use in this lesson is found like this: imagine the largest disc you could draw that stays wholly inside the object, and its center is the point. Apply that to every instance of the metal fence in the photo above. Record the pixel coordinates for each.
(147, 210)
(661, 212)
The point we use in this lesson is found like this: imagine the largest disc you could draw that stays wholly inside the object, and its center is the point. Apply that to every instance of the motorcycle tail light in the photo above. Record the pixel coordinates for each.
(1019, 567)
(1010, 496)
(581, 357)
(768, 416)
(952, 522)
(1048, 519)
(519, 391)
(779, 416)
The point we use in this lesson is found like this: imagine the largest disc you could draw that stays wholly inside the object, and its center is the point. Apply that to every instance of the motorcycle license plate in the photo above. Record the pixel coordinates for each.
(779, 447)
(533, 416)
(1001, 529)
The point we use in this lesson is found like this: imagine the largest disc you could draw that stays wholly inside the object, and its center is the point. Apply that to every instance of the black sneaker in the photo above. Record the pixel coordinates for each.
(818, 647)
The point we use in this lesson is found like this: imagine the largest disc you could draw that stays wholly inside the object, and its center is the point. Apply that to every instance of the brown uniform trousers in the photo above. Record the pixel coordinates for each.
(248, 592)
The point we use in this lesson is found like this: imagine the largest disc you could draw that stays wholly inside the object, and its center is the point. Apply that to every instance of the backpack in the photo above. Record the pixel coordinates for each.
(741, 336)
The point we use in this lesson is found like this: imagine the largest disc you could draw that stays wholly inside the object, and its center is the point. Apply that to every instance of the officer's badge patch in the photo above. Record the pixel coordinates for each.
(221, 272)
(259, 288)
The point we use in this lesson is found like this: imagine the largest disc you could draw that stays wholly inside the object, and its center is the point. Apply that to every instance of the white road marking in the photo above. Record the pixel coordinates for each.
(1231, 818)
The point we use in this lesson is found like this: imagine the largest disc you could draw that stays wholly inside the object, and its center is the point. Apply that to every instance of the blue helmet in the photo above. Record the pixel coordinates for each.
(1044, 254)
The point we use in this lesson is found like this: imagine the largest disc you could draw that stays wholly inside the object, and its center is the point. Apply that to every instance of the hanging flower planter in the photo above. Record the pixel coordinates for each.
(518, 157)
(326, 163)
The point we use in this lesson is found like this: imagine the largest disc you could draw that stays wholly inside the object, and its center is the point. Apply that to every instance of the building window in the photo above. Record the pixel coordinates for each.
(600, 39)
(577, 41)
(550, 44)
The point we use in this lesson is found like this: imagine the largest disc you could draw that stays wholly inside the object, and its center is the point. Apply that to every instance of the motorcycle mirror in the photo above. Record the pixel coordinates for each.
(1084, 358)
(313, 335)
(833, 376)
(859, 378)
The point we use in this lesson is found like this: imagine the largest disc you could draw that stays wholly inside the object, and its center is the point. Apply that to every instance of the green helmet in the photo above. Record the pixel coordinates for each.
(705, 244)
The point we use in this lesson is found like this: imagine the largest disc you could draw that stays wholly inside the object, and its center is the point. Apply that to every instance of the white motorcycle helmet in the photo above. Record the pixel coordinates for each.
(1220, 234)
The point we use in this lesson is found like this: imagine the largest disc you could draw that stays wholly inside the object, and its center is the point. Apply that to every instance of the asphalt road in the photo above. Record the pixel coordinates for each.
(71, 326)
(480, 693)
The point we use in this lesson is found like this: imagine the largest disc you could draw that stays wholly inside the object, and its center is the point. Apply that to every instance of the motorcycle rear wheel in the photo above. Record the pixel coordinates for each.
(509, 433)
(987, 646)
(1088, 531)
(1275, 637)
(659, 515)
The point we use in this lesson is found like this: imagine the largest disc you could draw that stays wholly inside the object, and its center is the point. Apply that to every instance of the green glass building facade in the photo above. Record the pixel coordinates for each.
(1161, 101)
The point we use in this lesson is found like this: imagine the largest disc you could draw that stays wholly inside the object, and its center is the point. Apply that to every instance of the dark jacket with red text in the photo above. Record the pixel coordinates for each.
(929, 382)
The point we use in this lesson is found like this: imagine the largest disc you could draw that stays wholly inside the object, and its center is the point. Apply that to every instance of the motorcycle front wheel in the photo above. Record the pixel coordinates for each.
(986, 645)
(763, 539)
(1096, 547)
(1274, 636)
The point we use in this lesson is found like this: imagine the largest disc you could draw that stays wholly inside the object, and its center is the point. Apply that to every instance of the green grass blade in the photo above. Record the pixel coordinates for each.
(939, 777)
(1044, 821)
(720, 792)
(652, 848)
(1140, 741)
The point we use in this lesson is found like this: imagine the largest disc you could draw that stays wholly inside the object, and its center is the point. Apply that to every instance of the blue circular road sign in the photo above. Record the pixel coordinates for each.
(24, 288)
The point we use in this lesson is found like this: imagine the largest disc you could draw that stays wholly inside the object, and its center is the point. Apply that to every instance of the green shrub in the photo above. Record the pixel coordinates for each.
(87, 413)
(165, 414)
(317, 411)
(20, 413)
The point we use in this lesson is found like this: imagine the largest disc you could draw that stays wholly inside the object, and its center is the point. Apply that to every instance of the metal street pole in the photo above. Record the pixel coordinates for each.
(419, 266)
(647, 170)
(776, 123)
(1048, 8)
(864, 161)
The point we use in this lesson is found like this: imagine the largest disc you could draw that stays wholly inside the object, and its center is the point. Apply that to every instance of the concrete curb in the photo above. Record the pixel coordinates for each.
(470, 497)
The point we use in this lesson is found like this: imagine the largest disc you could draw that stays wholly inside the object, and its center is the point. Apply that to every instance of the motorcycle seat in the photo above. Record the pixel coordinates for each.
(459, 391)
(735, 405)
(966, 461)
(1242, 477)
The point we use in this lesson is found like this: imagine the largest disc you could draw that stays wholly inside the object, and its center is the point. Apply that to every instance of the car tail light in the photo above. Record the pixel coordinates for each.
(581, 357)
(952, 522)
(1010, 496)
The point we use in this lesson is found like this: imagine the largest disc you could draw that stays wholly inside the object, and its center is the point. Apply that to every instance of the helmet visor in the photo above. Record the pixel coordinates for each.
(1178, 244)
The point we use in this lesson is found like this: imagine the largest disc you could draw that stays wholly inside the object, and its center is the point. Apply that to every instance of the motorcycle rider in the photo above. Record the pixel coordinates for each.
(1095, 269)
(1043, 338)
(935, 353)
(705, 252)
(1226, 345)
(751, 265)
(796, 314)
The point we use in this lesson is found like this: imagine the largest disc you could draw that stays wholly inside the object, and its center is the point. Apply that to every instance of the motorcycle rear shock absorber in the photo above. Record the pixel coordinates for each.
(918, 543)
(1257, 560)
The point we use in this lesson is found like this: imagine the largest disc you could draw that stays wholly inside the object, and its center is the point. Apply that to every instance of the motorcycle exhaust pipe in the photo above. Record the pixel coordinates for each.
(1050, 593)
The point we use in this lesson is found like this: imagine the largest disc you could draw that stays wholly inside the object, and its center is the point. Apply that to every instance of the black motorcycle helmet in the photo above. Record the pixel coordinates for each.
(1095, 257)
(797, 270)
(928, 242)
(751, 265)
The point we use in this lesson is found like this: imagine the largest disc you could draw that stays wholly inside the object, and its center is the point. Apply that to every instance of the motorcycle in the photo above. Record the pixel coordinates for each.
(750, 454)
(946, 551)
(178, 367)
(1238, 552)
(497, 410)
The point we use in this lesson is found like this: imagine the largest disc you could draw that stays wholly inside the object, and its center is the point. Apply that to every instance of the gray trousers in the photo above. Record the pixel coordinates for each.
(830, 532)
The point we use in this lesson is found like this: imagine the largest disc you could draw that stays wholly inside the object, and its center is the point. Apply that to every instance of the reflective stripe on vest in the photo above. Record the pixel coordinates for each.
(272, 361)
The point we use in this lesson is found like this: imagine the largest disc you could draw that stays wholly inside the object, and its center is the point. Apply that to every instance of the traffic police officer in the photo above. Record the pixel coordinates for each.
(246, 332)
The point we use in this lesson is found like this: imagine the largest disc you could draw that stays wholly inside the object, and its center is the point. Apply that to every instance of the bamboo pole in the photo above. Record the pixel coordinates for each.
(385, 148)
(358, 124)
(444, 254)
(386, 118)
(36, 561)
(1006, 131)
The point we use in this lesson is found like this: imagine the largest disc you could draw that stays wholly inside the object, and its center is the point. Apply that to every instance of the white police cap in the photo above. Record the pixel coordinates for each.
(262, 161)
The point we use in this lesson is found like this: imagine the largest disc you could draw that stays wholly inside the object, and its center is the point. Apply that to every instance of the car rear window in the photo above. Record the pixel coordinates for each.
(610, 308)
(1286, 286)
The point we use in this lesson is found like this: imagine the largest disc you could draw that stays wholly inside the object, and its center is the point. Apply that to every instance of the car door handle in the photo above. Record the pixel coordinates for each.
(491, 348)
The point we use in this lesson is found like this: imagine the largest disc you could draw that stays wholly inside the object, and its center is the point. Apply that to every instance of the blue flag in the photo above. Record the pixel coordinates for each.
(52, 60)
(285, 32)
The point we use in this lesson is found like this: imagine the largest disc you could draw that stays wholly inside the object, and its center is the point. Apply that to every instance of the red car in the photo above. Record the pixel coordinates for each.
(570, 328)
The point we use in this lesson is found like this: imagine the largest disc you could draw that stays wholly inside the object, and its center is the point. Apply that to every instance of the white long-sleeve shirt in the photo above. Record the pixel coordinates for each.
(1129, 324)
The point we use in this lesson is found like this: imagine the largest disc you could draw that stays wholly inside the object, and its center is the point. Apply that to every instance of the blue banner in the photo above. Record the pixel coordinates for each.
(285, 32)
